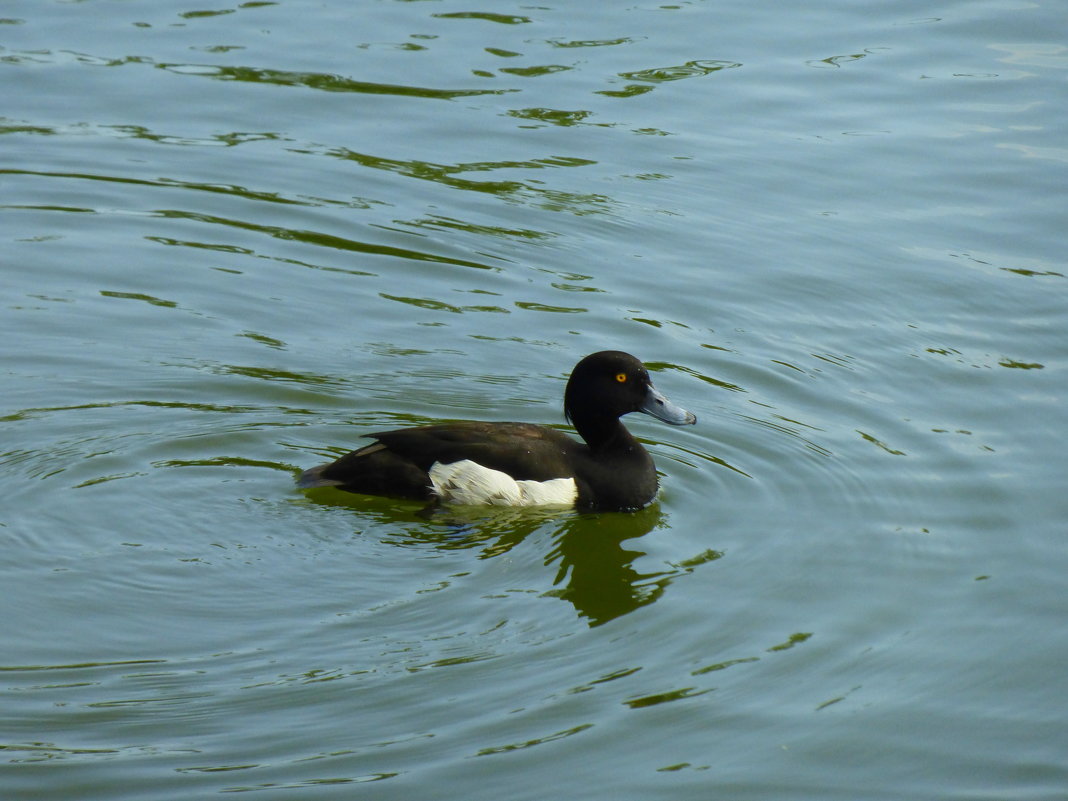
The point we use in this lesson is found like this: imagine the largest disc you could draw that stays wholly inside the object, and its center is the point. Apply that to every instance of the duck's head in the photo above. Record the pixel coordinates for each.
(609, 384)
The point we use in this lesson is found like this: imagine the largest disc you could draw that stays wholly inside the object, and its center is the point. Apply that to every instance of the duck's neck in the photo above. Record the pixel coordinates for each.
(606, 436)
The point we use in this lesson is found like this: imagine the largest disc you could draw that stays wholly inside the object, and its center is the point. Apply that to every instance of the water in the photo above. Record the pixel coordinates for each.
(234, 239)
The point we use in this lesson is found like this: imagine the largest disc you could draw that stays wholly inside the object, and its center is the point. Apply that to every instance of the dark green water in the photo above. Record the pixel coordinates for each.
(234, 239)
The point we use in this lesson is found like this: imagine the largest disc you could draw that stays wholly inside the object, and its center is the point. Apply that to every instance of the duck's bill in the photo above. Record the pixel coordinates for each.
(661, 408)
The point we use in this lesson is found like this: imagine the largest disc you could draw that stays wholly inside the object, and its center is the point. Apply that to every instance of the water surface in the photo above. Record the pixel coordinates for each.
(233, 240)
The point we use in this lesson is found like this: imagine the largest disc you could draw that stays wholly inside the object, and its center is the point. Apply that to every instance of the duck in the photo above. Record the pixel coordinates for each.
(522, 464)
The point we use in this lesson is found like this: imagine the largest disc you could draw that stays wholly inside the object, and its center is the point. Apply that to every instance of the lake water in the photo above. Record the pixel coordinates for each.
(234, 238)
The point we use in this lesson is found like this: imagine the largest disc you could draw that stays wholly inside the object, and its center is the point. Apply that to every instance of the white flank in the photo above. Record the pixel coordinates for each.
(469, 483)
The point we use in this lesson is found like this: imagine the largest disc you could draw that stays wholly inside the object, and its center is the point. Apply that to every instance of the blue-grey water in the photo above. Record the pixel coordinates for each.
(236, 237)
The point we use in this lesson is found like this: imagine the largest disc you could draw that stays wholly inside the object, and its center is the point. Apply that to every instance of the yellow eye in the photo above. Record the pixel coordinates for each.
(621, 378)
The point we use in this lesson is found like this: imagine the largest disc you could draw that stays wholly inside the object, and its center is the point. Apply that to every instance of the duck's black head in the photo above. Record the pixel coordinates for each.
(609, 384)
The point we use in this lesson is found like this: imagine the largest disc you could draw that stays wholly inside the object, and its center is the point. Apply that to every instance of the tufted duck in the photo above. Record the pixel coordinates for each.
(520, 464)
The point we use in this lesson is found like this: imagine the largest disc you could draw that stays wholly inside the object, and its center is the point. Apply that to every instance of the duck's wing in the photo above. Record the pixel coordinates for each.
(371, 470)
(522, 450)
(398, 462)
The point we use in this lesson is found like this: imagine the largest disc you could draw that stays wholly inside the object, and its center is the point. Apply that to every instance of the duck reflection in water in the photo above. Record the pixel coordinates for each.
(594, 572)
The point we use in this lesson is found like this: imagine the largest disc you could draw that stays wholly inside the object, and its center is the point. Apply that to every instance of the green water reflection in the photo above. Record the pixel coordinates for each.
(592, 555)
